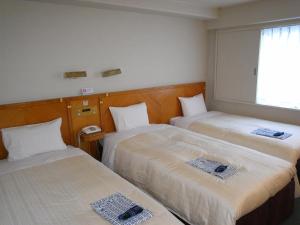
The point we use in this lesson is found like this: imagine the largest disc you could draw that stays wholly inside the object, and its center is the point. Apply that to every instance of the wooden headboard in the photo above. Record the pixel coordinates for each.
(162, 102)
(34, 112)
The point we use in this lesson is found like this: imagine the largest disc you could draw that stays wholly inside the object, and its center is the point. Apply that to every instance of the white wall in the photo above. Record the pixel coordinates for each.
(244, 15)
(41, 41)
(263, 11)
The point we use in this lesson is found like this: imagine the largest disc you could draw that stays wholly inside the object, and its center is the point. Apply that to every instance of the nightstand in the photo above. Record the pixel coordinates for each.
(90, 144)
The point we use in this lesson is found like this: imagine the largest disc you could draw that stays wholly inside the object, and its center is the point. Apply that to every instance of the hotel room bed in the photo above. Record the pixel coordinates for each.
(154, 158)
(56, 188)
(237, 129)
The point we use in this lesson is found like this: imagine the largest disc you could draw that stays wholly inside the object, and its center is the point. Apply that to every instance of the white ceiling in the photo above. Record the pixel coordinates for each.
(215, 3)
(204, 9)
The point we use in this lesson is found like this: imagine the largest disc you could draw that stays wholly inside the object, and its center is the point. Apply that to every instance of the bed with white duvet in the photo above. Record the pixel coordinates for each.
(240, 129)
(154, 158)
(55, 184)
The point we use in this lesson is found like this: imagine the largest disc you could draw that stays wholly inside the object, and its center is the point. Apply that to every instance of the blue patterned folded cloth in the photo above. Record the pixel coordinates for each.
(116, 204)
(211, 167)
(271, 133)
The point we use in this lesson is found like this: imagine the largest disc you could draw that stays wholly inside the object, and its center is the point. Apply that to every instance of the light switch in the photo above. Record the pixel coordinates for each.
(86, 91)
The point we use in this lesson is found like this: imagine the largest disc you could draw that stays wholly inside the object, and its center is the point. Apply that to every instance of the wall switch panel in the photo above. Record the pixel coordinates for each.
(86, 91)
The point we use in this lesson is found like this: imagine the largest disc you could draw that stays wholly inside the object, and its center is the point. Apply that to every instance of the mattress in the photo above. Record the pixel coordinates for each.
(154, 159)
(56, 188)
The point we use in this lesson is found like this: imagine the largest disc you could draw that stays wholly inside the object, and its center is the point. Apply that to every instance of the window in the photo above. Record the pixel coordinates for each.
(255, 65)
(278, 81)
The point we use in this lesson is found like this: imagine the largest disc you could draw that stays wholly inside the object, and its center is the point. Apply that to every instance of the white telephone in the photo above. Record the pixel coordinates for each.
(91, 129)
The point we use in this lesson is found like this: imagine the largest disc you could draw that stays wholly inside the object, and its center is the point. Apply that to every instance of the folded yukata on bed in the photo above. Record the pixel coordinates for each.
(271, 133)
(110, 208)
(213, 167)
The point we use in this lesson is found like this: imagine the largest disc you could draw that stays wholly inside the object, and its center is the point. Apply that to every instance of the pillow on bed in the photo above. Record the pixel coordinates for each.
(129, 117)
(192, 105)
(25, 141)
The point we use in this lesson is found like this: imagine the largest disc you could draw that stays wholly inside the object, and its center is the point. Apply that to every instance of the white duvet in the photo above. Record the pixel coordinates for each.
(154, 159)
(56, 188)
(237, 129)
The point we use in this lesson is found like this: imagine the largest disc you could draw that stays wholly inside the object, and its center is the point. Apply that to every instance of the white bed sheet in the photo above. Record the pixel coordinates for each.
(39, 159)
(111, 141)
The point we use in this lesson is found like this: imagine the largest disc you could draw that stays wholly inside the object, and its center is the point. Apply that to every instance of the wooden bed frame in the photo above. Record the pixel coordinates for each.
(162, 104)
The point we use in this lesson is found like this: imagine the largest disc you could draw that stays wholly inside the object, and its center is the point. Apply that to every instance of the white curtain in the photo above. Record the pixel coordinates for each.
(278, 82)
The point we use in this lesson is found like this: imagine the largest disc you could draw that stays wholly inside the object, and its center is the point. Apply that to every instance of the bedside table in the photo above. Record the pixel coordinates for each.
(90, 144)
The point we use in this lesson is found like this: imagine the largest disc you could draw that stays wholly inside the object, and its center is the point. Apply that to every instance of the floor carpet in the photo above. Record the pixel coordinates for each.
(295, 218)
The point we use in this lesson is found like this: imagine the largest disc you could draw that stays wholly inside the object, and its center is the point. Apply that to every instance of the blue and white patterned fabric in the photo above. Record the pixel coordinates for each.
(111, 207)
(270, 133)
(209, 166)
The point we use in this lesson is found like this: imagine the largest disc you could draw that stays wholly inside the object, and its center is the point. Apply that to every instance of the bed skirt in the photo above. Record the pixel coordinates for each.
(272, 212)
(298, 167)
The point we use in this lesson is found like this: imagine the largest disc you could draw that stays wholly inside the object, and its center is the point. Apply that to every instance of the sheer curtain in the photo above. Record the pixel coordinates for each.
(278, 82)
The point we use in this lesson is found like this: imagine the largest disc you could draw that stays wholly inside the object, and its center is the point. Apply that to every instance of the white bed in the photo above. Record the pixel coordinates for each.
(237, 129)
(57, 187)
(154, 159)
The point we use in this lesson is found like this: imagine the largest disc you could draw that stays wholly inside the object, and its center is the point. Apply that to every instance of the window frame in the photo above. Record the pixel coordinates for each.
(277, 24)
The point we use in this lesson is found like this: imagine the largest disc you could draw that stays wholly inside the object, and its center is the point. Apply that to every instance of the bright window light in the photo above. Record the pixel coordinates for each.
(278, 82)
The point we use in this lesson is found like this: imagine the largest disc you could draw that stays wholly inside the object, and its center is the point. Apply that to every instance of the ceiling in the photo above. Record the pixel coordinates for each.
(215, 3)
(204, 9)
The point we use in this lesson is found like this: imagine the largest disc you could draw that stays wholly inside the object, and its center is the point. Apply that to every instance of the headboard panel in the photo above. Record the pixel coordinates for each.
(162, 102)
(34, 112)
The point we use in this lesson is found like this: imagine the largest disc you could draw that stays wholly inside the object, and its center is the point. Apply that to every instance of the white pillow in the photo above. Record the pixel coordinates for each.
(25, 141)
(129, 117)
(192, 105)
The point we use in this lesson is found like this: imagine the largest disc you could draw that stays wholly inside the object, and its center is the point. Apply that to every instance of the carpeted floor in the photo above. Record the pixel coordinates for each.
(295, 218)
